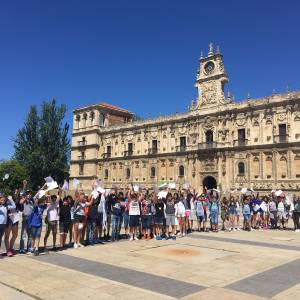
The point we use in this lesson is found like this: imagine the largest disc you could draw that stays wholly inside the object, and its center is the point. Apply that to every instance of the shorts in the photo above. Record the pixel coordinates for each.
(193, 216)
(214, 217)
(64, 227)
(126, 219)
(10, 223)
(181, 215)
(247, 217)
(170, 220)
(36, 232)
(159, 220)
(134, 221)
(79, 219)
(146, 221)
(51, 226)
(200, 218)
(99, 221)
(187, 213)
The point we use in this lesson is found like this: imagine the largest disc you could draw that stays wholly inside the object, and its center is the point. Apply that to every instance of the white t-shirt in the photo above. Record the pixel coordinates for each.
(180, 208)
(134, 208)
(52, 213)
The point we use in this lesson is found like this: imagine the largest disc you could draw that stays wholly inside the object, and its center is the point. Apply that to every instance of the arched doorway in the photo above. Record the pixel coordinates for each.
(209, 182)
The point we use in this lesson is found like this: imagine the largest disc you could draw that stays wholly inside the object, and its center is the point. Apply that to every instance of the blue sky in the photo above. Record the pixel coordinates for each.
(141, 55)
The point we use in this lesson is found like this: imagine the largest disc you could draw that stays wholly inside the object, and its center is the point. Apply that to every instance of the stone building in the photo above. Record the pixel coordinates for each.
(216, 143)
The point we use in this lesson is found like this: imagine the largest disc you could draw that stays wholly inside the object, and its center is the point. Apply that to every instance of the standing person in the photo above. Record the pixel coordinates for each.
(146, 217)
(180, 214)
(36, 222)
(246, 214)
(109, 199)
(27, 204)
(51, 221)
(65, 223)
(238, 213)
(296, 214)
(126, 217)
(159, 217)
(187, 205)
(5, 206)
(116, 214)
(12, 224)
(280, 210)
(134, 215)
(224, 212)
(214, 213)
(79, 217)
(101, 217)
(199, 213)
(170, 212)
(92, 217)
(232, 213)
(272, 207)
(193, 216)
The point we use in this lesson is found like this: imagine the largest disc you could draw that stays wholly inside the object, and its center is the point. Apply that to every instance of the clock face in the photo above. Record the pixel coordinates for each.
(209, 67)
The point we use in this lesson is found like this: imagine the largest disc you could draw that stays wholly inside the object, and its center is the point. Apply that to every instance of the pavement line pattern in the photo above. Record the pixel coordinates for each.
(271, 282)
(246, 242)
(158, 284)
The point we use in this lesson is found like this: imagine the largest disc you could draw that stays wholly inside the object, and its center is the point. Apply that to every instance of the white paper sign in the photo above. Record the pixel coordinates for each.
(51, 186)
(279, 193)
(100, 190)
(263, 206)
(95, 194)
(136, 188)
(162, 194)
(48, 179)
(76, 183)
(172, 185)
(65, 187)
(163, 185)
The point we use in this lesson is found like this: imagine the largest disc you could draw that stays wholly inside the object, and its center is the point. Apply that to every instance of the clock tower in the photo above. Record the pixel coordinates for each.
(210, 80)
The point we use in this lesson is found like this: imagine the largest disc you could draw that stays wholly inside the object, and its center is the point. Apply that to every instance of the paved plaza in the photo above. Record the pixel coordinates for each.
(224, 265)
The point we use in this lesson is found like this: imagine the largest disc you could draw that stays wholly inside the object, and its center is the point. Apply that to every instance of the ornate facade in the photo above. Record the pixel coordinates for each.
(216, 143)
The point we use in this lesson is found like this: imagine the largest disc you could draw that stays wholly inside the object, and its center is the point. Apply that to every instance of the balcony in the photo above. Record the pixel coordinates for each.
(181, 148)
(81, 143)
(106, 155)
(281, 138)
(128, 153)
(153, 151)
(207, 145)
(81, 157)
(240, 143)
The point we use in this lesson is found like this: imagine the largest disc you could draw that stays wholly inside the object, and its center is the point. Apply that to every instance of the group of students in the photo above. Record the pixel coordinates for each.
(99, 217)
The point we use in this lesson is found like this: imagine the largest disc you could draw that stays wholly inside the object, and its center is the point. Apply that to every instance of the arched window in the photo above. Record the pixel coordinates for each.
(209, 136)
(127, 173)
(78, 121)
(106, 173)
(181, 171)
(92, 117)
(84, 119)
(241, 168)
(101, 119)
(152, 173)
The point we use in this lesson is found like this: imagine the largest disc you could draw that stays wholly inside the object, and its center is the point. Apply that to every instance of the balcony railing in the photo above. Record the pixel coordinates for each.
(281, 138)
(153, 151)
(128, 153)
(207, 145)
(81, 143)
(81, 157)
(106, 155)
(240, 143)
(181, 148)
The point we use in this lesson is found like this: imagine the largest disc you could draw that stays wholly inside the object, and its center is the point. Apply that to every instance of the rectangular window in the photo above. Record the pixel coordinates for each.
(130, 148)
(241, 137)
(108, 149)
(81, 169)
(154, 144)
(182, 141)
(282, 133)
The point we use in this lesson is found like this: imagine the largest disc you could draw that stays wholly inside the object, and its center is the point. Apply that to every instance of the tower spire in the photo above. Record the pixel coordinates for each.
(210, 49)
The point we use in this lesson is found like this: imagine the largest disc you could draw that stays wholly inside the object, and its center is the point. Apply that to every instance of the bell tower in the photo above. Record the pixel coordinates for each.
(211, 79)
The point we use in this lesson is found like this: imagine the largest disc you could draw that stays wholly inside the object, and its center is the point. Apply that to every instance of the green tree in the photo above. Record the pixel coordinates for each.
(42, 146)
(17, 173)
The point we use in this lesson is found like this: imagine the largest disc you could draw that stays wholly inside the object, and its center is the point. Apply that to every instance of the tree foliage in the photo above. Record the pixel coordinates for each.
(17, 173)
(42, 146)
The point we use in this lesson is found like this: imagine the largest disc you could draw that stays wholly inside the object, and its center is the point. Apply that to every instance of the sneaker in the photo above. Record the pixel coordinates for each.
(143, 238)
(297, 230)
(80, 245)
(75, 246)
(174, 237)
(131, 239)
(22, 252)
(158, 238)
(183, 234)
(9, 253)
(238, 229)
(136, 239)
(36, 252)
(234, 229)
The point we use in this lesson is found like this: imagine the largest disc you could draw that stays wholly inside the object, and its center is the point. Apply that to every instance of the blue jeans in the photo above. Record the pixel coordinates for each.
(214, 217)
(91, 228)
(25, 233)
(115, 224)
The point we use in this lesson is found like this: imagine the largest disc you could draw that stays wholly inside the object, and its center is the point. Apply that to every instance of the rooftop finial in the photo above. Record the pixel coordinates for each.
(201, 54)
(218, 50)
(210, 49)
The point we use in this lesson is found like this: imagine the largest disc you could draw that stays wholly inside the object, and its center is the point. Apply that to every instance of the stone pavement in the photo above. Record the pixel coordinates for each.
(224, 265)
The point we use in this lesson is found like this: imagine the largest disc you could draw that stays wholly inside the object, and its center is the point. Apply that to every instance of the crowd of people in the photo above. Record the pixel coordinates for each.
(98, 218)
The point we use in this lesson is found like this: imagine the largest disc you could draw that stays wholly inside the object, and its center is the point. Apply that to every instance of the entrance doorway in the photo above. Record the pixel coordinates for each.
(209, 182)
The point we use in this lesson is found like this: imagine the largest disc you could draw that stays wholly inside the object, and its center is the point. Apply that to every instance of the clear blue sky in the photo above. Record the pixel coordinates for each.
(141, 55)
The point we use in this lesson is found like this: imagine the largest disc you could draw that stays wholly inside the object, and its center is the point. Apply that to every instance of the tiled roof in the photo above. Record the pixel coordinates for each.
(114, 107)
